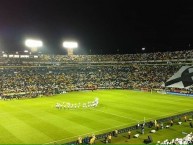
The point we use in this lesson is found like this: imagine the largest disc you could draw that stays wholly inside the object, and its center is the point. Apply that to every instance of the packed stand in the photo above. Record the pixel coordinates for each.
(157, 56)
(37, 81)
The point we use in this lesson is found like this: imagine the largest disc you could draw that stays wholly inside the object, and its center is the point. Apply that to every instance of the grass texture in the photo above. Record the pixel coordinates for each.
(37, 121)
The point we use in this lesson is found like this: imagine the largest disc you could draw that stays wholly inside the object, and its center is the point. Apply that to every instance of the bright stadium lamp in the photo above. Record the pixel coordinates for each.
(70, 45)
(33, 44)
(143, 48)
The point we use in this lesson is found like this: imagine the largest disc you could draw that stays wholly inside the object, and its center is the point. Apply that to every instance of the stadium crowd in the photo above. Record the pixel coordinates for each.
(6, 58)
(124, 57)
(37, 80)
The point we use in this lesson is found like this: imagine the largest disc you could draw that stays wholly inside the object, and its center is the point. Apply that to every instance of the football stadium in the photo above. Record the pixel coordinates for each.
(69, 99)
(96, 72)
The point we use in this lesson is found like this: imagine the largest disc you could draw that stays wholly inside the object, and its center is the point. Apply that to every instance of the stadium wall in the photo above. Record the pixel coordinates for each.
(180, 94)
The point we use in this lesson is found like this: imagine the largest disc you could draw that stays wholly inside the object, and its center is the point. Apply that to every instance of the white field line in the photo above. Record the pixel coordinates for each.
(172, 114)
(116, 115)
(86, 134)
(147, 119)
(179, 100)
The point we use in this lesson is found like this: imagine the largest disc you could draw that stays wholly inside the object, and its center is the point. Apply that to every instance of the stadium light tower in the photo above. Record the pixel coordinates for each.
(70, 45)
(33, 44)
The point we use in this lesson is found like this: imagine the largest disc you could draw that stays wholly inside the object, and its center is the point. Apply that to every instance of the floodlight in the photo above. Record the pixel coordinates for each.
(143, 48)
(70, 45)
(26, 51)
(33, 43)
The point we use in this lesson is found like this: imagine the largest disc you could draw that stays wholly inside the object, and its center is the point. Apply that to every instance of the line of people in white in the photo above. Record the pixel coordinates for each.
(67, 105)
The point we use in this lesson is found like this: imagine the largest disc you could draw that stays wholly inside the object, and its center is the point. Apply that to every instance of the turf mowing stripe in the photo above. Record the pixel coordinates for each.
(6, 136)
(75, 122)
(24, 131)
(28, 114)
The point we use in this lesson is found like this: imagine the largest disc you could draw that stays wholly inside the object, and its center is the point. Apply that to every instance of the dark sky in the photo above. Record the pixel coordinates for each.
(99, 26)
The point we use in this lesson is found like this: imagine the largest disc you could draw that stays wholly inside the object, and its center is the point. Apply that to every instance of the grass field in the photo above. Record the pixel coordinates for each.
(31, 121)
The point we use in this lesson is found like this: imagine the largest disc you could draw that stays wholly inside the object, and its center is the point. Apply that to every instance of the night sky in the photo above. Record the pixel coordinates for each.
(99, 26)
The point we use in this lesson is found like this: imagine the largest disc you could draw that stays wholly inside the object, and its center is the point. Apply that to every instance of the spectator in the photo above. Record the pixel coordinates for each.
(157, 127)
(109, 138)
(191, 125)
(79, 141)
(171, 122)
(116, 133)
(162, 125)
(185, 118)
(142, 130)
(129, 134)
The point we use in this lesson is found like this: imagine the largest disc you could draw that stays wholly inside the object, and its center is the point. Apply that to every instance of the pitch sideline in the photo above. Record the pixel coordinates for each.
(116, 127)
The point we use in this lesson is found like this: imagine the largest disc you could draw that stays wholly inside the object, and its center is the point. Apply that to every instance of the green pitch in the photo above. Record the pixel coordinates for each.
(31, 121)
